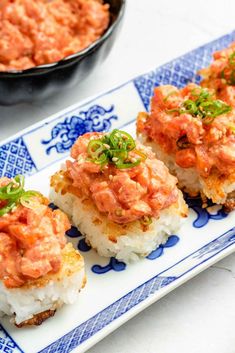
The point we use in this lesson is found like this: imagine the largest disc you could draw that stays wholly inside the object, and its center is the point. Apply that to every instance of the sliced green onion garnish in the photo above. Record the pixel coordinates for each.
(95, 148)
(189, 106)
(146, 220)
(125, 165)
(7, 208)
(204, 106)
(141, 154)
(232, 128)
(27, 199)
(228, 73)
(101, 159)
(15, 194)
(113, 140)
(168, 95)
(230, 77)
(121, 154)
(175, 110)
(114, 148)
(231, 59)
(13, 189)
(121, 140)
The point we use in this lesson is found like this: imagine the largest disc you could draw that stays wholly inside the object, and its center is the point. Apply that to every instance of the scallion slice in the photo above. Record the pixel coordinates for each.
(14, 194)
(203, 106)
(114, 148)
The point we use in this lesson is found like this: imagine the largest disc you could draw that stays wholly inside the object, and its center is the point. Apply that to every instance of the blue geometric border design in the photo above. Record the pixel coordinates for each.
(15, 159)
(83, 332)
(7, 345)
(180, 71)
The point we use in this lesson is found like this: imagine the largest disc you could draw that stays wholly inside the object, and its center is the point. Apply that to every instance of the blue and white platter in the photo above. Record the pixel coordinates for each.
(115, 292)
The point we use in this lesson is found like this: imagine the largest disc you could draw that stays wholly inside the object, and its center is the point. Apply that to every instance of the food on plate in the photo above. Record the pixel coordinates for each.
(193, 133)
(36, 32)
(39, 272)
(220, 75)
(119, 195)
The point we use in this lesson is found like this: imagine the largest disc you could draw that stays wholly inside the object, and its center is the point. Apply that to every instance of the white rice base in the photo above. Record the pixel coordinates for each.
(132, 242)
(189, 179)
(24, 303)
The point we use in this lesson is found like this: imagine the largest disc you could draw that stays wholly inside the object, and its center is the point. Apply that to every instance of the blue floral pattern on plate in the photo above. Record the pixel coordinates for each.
(96, 118)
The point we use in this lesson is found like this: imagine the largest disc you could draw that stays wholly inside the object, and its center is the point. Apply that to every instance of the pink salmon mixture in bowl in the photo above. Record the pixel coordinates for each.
(37, 32)
(49, 46)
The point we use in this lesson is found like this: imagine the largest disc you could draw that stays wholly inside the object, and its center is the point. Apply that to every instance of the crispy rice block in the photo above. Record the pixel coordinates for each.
(127, 242)
(38, 299)
(220, 189)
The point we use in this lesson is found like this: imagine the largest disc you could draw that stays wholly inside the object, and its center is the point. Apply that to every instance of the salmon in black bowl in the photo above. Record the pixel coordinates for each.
(47, 46)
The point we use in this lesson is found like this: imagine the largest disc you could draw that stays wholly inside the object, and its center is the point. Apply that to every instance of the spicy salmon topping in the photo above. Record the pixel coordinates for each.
(194, 126)
(122, 177)
(36, 32)
(220, 75)
(31, 235)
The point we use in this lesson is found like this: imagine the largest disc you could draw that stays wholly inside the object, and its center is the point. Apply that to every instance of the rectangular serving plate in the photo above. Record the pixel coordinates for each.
(114, 292)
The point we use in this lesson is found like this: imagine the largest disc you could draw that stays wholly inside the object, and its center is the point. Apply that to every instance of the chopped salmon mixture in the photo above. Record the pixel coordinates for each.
(36, 32)
(125, 195)
(206, 142)
(31, 240)
(220, 75)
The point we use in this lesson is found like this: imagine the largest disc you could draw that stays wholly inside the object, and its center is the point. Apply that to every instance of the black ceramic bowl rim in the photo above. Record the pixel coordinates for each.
(74, 57)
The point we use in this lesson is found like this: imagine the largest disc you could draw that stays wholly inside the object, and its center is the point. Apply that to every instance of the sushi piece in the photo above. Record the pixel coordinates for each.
(119, 195)
(220, 75)
(39, 272)
(193, 133)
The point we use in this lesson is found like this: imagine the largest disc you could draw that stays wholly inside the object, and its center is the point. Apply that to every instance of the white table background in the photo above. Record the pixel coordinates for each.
(200, 315)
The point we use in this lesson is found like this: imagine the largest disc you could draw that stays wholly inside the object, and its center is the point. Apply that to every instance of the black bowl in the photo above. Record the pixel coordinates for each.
(45, 80)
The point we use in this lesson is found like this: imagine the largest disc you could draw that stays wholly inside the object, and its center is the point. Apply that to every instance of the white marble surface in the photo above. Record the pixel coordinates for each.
(200, 315)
